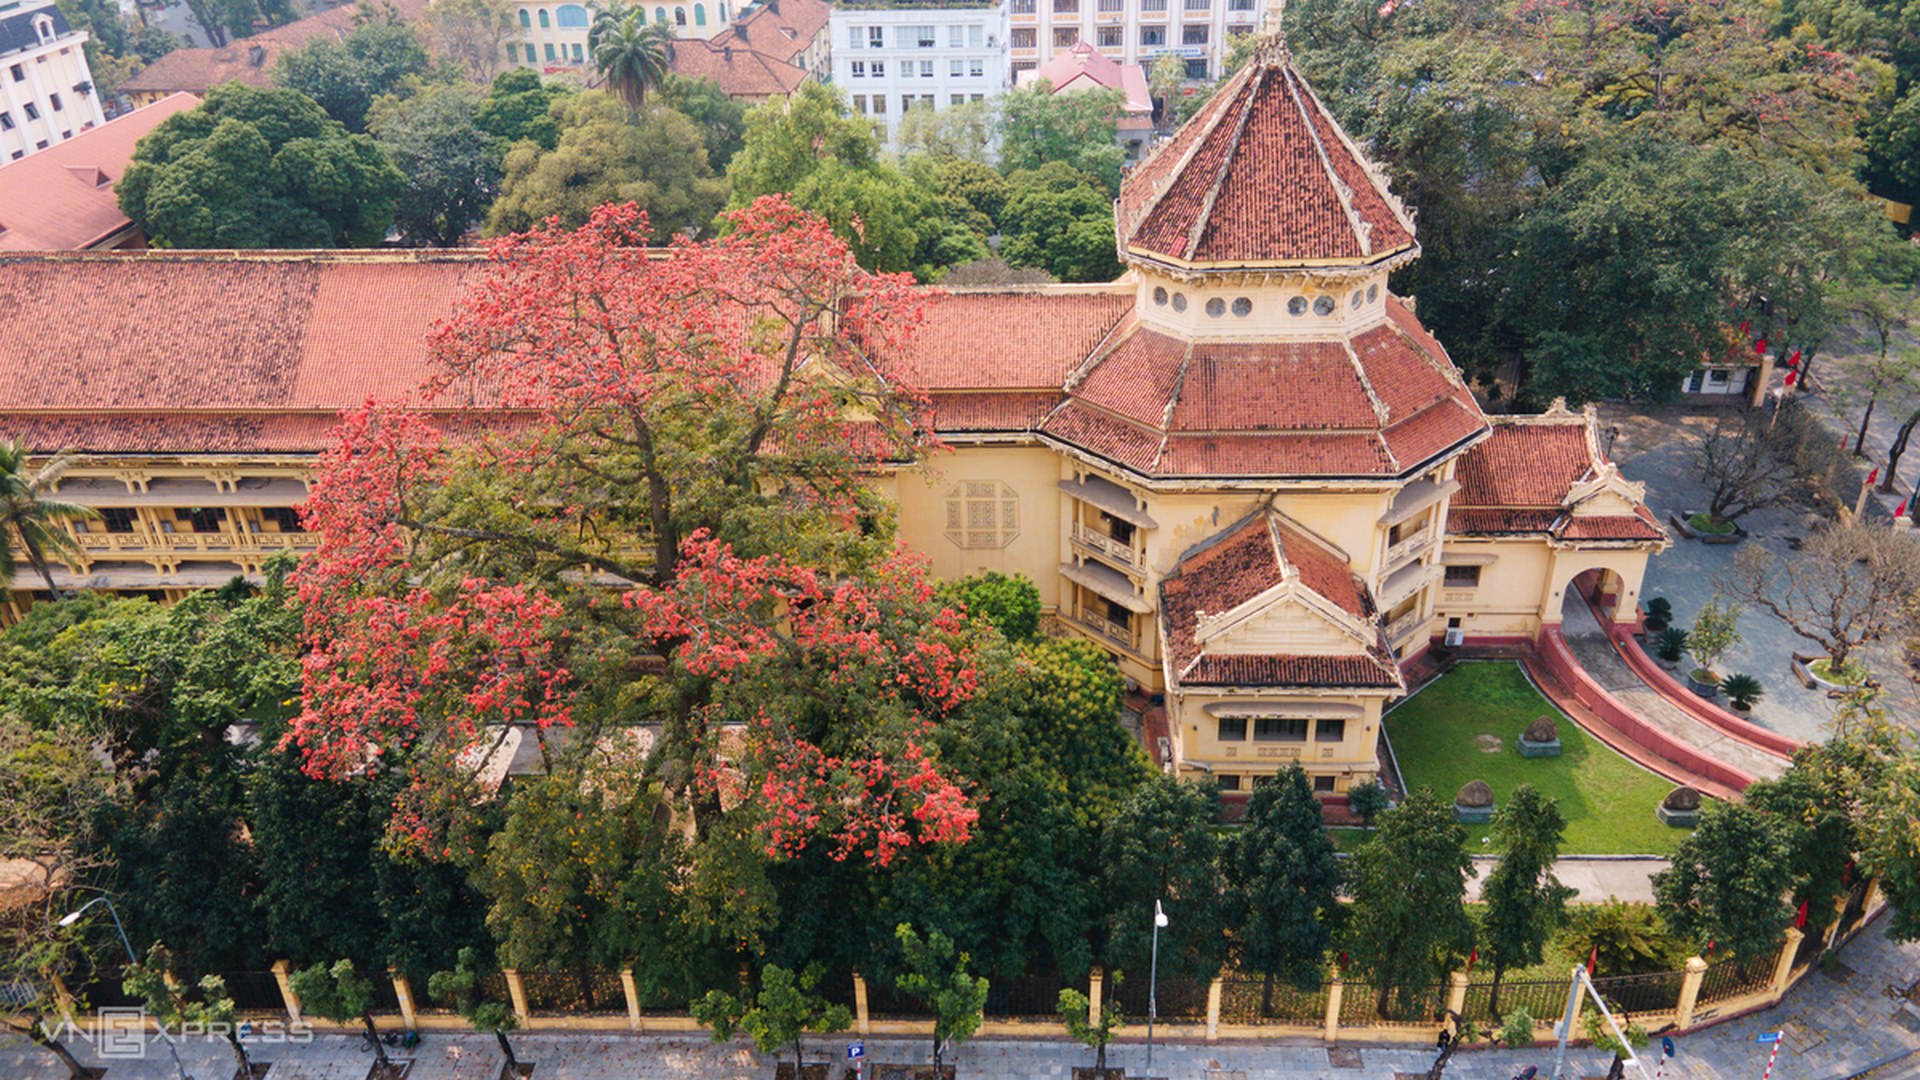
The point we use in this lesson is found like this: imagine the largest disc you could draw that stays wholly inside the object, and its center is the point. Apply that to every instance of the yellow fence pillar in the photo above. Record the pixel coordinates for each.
(1689, 992)
(1335, 991)
(862, 1019)
(403, 993)
(1094, 1002)
(1214, 990)
(1457, 993)
(283, 975)
(1783, 967)
(632, 991)
(517, 990)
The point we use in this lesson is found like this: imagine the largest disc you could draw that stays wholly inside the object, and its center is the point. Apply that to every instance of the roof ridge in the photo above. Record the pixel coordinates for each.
(1367, 165)
(1360, 372)
(1173, 401)
(1165, 182)
(1205, 217)
(1362, 229)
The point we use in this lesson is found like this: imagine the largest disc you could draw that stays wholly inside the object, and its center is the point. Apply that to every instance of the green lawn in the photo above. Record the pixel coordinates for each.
(1463, 727)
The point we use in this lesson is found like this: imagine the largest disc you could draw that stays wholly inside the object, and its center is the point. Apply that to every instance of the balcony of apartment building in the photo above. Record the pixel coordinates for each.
(1153, 10)
(1023, 12)
(1110, 11)
(1107, 564)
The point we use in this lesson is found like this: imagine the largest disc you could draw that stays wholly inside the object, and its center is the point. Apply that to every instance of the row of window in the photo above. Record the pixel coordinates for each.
(959, 36)
(1072, 7)
(959, 69)
(908, 101)
(1322, 784)
(1114, 37)
(1281, 729)
(1242, 306)
(199, 519)
(575, 17)
(575, 53)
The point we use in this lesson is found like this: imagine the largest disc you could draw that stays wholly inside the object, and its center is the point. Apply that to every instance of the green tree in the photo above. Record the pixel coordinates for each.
(1283, 885)
(961, 132)
(1163, 844)
(1408, 925)
(657, 161)
(460, 989)
(31, 519)
(1075, 1009)
(1061, 220)
(887, 218)
(167, 1003)
(318, 844)
(975, 191)
(472, 33)
(519, 106)
(1010, 602)
(346, 75)
(720, 117)
(1623, 938)
(787, 141)
(452, 168)
(936, 973)
(255, 168)
(632, 58)
(1525, 901)
(786, 1007)
(1368, 800)
(1729, 882)
(1078, 130)
(339, 994)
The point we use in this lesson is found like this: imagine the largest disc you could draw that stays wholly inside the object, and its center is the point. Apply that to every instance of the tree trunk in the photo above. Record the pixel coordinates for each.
(373, 1036)
(506, 1049)
(1266, 995)
(239, 1051)
(1860, 440)
(38, 562)
(38, 1032)
(1894, 452)
(1100, 1058)
(799, 1060)
(1493, 994)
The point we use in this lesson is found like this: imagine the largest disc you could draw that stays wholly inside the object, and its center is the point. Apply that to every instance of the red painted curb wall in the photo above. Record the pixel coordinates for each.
(1700, 708)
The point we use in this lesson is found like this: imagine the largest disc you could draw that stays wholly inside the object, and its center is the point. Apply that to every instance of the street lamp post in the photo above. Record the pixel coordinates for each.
(1153, 980)
(74, 916)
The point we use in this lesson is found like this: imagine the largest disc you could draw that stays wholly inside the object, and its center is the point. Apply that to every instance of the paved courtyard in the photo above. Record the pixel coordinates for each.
(1838, 1024)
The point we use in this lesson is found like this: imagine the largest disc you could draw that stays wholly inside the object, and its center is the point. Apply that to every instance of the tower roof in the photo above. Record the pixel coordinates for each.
(1261, 176)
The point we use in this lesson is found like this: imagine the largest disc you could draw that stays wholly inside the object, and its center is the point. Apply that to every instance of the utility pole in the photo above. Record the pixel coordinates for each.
(1153, 980)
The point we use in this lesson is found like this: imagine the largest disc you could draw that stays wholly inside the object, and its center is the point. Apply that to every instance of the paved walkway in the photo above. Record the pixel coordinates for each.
(1594, 878)
(1595, 652)
(1838, 1024)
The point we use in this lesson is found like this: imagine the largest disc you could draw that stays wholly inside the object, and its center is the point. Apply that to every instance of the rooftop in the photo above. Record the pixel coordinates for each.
(62, 198)
(1083, 67)
(250, 60)
(1546, 475)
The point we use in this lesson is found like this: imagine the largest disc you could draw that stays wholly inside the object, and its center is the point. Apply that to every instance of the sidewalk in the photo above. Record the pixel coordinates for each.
(1595, 879)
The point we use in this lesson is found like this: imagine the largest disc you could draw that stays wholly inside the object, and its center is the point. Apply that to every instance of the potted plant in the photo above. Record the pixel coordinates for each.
(1671, 646)
(1742, 691)
(1712, 635)
(1659, 615)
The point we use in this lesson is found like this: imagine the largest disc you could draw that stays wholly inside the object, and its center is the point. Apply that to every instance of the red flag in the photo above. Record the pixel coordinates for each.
(1745, 325)
(1901, 510)
(1800, 920)
(1709, 946)
(1593, 959)
(1792, 377)
(1873, 476)
(1471, 957)
(1794, 360)
(1760, 347)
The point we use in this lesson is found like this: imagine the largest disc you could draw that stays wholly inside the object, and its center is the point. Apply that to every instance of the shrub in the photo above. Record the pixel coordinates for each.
(1367, 800)
(1742, 690)
(1659, 614)
(1671, 645)
(1631, 939)
(1011, 604)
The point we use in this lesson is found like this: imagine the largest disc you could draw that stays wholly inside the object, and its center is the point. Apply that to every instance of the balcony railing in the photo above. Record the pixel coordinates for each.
(135, 543)
(1402, 628)
(1117, 551)
(1120, 634)
(1408, 548)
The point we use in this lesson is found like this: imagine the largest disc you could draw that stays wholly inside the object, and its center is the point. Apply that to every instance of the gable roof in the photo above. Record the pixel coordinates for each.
(1522, 480)
(778, 29)
(1261, 176)
(1083, 65)
(62, 198)
(250, 60)
(739, 71)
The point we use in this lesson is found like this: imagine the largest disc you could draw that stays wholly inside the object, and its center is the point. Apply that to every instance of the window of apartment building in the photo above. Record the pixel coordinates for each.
(1109, 37)
(1023, 38)
(976, 36)
(1239, 28)
(1228, 781)
(880, 106)
(544, 21)
(1196, 5)
(1149, 7)
(1330, 731)
(876, 37)
(1023, 7)
(1153, 36)
(66, 134)
(1023, 65)
(1065, 36)
(976, 69)
(6, 121)
(1279, 729)
(906, 103)
(1323, 785)
(1066, 7)
(878, 69)
(19, 73)
(578, 53)
(571, 17)
(956, 68)
(1462, 577)
(284, 518)
(44, 27)
(18, 154)
(982, 514)
(1239, 5)
(1231, 729)
(926, 69)
(956, 36)
(549, 51)
(202, 519)
(860, 104)
(956, 99)
(679, 16)
(32, 110)
(923, 37)
(1112, 5)
(857, 69)
(54, 100)
(117, 519)
(1194, 35)
(855, 36)
(41, 145)
(526, 19)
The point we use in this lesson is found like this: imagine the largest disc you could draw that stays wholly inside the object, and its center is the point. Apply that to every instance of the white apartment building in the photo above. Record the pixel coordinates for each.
(888, 59)
(1130, 31)
(46, 88)
(554, 34)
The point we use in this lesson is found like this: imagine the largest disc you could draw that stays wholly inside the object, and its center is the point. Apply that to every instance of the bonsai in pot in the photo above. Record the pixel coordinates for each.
(1659, 615)
(1671, 646)
(1713, 633)
(1742, 691)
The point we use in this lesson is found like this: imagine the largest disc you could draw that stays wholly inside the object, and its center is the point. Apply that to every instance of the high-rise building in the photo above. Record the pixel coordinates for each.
(46, 88)
(1130, 31)
(891, 58)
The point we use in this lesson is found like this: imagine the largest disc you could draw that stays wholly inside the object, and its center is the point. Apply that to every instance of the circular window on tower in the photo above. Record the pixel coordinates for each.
(1297, 306)
(1373, 293)
(1323, 306)
(1358, 296)
(1160, 297)
(1216, 307)
(1179, 301)
(1243, 307)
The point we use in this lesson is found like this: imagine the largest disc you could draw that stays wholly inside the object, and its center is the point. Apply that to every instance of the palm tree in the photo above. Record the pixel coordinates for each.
(632, 58)
(30, 518)
(610, 17)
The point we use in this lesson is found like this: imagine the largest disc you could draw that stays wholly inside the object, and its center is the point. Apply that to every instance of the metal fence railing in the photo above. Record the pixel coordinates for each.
(1255, 999)
(1543, 999)
(1174, 999)
(1655, 992)
(1734, 978)
(1028, 996)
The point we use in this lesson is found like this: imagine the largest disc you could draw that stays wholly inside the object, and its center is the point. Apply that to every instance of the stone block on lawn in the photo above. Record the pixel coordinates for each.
(1474, 804)
(1541, 739)
(1680, 809)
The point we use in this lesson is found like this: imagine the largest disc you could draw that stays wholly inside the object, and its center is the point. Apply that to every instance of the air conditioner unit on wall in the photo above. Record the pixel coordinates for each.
(1456, 637)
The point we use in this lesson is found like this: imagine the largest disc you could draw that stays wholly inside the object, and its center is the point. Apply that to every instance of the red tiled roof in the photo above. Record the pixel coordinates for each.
(1261, 175)
(198, 70)
(1116, 440)
(1295, 385)
(1364, 670)
(1291, 454)
(1136, 377)
(1469, 520)
(779, 29)
(993, 411)
(1637, 526)
(62, 198)
(1525, 464)
(739, 71)
(201, 433)
(1006, 340)
(1084, 64)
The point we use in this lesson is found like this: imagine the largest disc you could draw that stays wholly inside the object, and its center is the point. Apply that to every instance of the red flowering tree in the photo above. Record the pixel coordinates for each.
(652, 510)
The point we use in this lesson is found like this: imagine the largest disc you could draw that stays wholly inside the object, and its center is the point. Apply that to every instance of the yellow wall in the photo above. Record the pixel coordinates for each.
(1033, 472)
(1349, 761)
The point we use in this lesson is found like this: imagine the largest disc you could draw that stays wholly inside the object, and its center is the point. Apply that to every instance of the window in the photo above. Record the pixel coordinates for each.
(1111, 5)
(1160, 296)
(860, 104)
(1153, 36)
(976, 36)
(1242, 307)
(1119, 615)
(1196, 70)
(1194, 35)
(857, 69)
(44, 27)
(1358, 298)
(926, 101)
(982, 514)
(202, 519)
(117, 519)
(878, 68)
(976, 69)
(1065, 36)
(1121, 531)
(976, 97)
(549, 51)
(1023, 7)
(1330, 731)
(876, 37)
(1153, 5)
(1179, 301)
(1279, 729)
(1066, 7)
(679, 16)
(906, 103)
(19, 73)
(956, 36)
(6, 121)
(1323, 785)
(1462, 577)
(578, 54)
(1323, 306)
(923, 37)
(1239, 5)
(1023, 65)
(526, 19)
(1228, 781)
(285, 518)
(1216, 307)
(545, 23)
(570, 17)
(1297, 305)
(1023, 37)
(18, 154)
(880, 105)
(32, 111)
(1196, 5)
(956, 68)
(1109, 37)
(699, 14)
(660, 15)
(1373, 293)
(956, 99)
(854, 37)
(926, 69)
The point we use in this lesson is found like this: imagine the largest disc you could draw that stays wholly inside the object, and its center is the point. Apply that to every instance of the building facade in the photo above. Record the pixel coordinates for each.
(890, 59)
(46, 88)
(1244, 470)
(63, 199)
(1130, 31)
(555, 34)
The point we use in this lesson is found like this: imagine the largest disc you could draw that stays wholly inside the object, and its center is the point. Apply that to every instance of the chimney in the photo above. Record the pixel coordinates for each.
(740, 30)
(773, 6)
(256, 55)
(726, 53)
